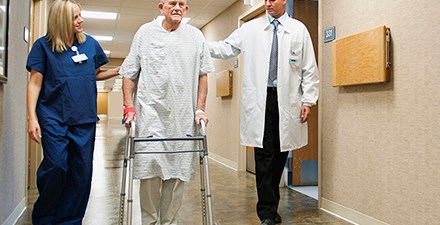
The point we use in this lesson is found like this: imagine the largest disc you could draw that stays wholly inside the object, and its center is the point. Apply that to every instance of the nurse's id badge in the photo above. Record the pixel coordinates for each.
(78, 58)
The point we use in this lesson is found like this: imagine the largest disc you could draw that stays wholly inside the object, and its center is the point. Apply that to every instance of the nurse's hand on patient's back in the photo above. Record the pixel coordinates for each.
(34, 131)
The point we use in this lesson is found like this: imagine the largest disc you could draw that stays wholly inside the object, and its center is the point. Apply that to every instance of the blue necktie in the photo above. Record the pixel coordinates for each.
(273, 65)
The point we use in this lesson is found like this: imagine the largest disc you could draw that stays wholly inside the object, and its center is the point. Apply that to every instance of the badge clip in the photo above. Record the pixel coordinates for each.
(78, 58)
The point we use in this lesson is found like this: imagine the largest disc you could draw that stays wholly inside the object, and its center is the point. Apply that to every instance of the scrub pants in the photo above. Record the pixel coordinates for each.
(160, 200)
(269, 161)
(65, 174)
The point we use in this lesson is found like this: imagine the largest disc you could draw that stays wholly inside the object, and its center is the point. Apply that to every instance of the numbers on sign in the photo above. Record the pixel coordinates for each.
(328, 33)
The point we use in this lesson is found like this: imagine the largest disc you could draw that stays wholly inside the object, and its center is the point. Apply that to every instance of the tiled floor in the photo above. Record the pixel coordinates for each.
(311, 191)
(233, 199)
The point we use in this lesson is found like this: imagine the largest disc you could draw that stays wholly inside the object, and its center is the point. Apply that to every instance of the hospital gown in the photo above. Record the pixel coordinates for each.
(166, 66)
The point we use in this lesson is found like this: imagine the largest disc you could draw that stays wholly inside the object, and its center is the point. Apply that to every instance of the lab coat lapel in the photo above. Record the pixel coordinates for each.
(267, 40)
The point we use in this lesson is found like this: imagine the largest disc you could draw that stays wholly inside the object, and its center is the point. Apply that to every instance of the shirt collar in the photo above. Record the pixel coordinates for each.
(282, 19)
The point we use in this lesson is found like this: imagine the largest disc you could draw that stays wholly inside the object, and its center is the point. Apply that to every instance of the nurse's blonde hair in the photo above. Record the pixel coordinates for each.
(60, 25)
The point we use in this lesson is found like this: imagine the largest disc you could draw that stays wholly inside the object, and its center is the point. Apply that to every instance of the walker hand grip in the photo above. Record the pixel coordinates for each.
(132, 128)
(202, 127)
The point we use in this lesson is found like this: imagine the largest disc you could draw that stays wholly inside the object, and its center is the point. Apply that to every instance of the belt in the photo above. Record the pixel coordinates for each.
(272, 88)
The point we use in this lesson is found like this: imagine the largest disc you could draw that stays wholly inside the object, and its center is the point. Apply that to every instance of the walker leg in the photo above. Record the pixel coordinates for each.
(204, 167)
(130, 186)
(202, 188)
(122, 197)
(124, 180)
(208, 192)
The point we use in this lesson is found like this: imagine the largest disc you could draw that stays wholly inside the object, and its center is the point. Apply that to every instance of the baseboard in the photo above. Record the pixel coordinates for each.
(226, 162)
(348, 214)
(12, 219)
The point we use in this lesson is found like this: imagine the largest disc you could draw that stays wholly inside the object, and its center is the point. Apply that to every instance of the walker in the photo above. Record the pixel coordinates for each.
(130, 153)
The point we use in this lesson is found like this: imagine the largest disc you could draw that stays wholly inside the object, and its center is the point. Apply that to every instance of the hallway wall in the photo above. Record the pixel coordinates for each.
(115, 101)
(380, 144)
(13, 135)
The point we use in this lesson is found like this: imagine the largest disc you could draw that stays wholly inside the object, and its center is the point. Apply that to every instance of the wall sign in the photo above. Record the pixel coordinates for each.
(329, 34)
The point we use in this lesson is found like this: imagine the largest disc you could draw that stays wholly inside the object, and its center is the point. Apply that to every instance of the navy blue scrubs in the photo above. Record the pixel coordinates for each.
(66, 111)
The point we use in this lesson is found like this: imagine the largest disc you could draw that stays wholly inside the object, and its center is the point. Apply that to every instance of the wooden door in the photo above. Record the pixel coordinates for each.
(304, 163)
(102, 103)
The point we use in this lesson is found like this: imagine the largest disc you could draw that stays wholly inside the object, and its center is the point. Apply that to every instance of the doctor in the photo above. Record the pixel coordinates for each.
(280, 85)
(61, 102)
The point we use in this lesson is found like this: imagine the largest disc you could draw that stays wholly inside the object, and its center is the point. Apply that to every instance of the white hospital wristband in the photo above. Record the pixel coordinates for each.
(199, 111)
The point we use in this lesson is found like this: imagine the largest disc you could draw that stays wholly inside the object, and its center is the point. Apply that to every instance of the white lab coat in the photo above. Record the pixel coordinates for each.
(297, 84)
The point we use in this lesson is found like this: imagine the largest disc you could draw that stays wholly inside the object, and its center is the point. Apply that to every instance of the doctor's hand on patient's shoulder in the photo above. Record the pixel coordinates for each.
(34, 130)
(305, 113)
(200, 114)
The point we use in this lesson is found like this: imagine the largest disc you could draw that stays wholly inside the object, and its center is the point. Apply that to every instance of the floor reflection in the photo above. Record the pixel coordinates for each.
(234, 194)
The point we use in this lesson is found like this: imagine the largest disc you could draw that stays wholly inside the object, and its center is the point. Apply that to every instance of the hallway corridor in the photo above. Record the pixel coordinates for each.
(234, 195)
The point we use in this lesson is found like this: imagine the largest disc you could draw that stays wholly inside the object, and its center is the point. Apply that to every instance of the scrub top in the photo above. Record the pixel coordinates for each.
(68, 93)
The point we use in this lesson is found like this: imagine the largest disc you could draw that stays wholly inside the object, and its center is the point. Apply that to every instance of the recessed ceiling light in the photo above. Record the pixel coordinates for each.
(107, 52)
(102, 38)
(99, 15)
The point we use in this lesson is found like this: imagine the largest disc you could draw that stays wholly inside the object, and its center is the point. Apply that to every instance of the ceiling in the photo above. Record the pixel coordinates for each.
(133, 13)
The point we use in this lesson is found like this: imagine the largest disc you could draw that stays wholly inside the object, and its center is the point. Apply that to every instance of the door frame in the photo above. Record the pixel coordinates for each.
(39, 12)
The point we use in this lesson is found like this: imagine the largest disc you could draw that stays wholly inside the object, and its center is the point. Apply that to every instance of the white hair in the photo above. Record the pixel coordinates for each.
(163, 1)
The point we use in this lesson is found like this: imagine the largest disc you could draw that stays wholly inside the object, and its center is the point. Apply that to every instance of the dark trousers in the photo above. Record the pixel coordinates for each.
(269, 161)
(65, 174)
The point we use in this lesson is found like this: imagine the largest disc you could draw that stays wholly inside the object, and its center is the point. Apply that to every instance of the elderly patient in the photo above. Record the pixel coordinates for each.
(164, 89)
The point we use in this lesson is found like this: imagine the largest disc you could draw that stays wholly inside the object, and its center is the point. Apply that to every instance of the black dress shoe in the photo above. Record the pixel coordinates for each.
(277, 218)
(268, 222)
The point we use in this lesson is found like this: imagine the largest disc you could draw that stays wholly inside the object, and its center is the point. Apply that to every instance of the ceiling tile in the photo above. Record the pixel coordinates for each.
(133, 13)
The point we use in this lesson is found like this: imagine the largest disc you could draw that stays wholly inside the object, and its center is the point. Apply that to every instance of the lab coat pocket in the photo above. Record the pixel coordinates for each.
(295, 55)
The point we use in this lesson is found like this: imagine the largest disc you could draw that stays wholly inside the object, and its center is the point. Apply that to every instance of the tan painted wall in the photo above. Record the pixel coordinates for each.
(223, 114)
(114, 101)
(114, 62)
(380, 143)
(13, 118)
